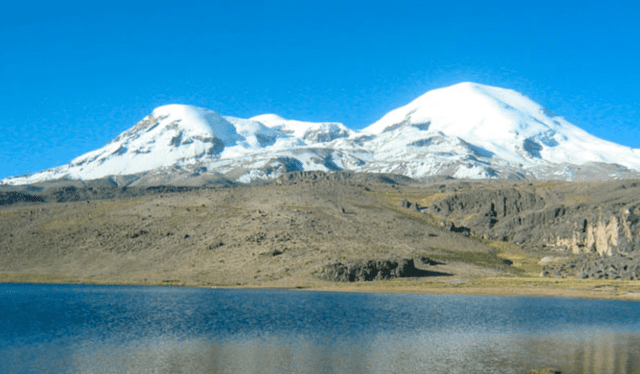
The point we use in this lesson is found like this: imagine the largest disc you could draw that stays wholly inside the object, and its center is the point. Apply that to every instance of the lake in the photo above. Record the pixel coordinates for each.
(125, 329)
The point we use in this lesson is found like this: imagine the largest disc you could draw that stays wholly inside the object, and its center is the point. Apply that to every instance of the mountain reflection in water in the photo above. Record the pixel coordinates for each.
(450, 354)
(86, 329)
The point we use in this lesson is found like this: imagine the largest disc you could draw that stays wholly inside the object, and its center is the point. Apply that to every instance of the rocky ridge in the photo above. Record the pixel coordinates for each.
(598, 218)
(594, 227)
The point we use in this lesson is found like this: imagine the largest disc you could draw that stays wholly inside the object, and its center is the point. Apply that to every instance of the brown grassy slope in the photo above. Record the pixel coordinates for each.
(228, 237)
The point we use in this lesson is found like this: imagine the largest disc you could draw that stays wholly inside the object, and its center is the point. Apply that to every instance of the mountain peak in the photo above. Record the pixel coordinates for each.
(196, 120)
(309, 131)
(466, 107)
(467, 130)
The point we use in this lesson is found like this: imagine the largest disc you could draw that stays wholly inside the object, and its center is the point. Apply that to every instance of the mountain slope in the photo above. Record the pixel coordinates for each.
(491, 130)
(466, 131)
(507, 124)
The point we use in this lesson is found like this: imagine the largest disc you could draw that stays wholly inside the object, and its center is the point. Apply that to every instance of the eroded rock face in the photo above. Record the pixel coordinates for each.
(606, 234)
(581, 218)
(368, 270)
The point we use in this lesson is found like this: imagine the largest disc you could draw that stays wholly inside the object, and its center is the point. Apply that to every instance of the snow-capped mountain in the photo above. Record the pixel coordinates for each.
(486, 131)
(467, 131)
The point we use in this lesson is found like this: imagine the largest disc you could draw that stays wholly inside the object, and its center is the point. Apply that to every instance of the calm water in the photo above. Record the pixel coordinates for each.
(113, 329)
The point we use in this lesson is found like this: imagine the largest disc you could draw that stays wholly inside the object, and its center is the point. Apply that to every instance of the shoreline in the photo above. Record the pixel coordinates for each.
(487, 286)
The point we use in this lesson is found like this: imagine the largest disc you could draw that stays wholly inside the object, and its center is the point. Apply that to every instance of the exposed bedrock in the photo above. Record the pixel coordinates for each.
(19, 197)
(618, 266)
(599, 219)
(343, 176)
(368, 270)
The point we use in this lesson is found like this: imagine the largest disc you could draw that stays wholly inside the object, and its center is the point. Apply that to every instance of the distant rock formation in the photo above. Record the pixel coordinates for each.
(19, 197)
(602, 218)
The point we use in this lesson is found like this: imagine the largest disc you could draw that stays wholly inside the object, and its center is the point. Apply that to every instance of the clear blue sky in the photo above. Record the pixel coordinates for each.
(73, 75)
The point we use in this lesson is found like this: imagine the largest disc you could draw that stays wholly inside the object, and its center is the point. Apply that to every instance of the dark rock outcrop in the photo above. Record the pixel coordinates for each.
(273, 252)
(138, 234)
(368, 270)
(19, 197)
(170, 189)
(343, 176)
(409, 205)
(75, 191)
(461, 230)
(405, 203)
(428, 261)
(596, 267)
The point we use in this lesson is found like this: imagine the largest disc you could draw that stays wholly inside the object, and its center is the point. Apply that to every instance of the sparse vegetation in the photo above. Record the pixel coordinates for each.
(271, 236)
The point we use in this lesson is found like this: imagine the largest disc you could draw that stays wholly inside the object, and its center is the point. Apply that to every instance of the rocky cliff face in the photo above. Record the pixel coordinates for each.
(600, 218)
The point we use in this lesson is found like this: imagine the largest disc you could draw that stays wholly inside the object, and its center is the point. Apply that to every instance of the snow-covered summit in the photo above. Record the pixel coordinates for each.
(311, 131)
(469, 108)
(502, 124)
(467, 130)
(195, 121)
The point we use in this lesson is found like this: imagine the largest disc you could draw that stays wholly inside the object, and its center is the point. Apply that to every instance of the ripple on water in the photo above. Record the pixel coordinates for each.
(74, 328)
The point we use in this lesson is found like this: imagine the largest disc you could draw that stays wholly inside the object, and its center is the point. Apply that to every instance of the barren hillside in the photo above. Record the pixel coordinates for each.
(289, 233)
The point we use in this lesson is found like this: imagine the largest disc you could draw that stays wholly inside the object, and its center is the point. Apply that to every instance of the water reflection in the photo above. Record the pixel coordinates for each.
(88, 329)
(594, 352)
(455, 354)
